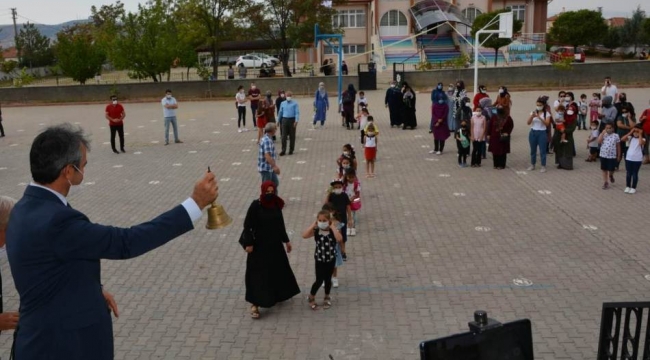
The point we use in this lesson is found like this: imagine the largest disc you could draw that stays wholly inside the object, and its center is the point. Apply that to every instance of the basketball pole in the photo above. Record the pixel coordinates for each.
(505, 30)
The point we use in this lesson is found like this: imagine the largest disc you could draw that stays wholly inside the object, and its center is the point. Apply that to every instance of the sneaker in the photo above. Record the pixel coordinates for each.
(244, 129)
(632, 191)
(239, 130)
(432, 151)
(438, 152)
(611, 178)
(627, 190)
(335, 282)
(543, 169)
(178, 142)
(344, 256)
(353, 232)
(166, 142)
(349, 232)
(530, 168)
(606, 186)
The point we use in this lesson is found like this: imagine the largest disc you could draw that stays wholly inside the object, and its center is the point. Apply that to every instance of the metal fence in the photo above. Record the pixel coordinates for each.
(630, 317)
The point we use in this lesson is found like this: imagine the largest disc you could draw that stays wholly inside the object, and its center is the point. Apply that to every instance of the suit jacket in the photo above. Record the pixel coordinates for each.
(54, 252)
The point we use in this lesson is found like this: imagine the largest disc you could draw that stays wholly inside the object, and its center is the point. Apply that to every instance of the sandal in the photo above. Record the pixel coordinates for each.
(312, 303)
(327, 302)
(255, 312)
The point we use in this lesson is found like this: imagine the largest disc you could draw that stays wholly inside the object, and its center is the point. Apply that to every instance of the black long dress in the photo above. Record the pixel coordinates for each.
(269, 278)
(409, 118)
(395, 106)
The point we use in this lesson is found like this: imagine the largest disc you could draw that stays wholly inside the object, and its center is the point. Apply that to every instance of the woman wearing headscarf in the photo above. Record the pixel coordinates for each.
(408, 97)
(269, 278)
(435, 94)
(501, 126)
(481, 94)
(503, 100)
(451, 119)
(393, 101)
(609, 113)
(348, 99)
(269, 107)
(564, 150)
(321, 105)
(439, 112)
(457, 97)
(464, 113)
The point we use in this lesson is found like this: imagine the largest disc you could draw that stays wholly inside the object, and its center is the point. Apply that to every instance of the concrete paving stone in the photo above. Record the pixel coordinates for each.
(418, 267)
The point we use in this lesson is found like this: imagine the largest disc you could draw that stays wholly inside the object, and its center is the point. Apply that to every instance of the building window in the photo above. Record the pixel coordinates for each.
(518, 12)
(347, 49)
(471, 13)
(393, 18)
(349, 19)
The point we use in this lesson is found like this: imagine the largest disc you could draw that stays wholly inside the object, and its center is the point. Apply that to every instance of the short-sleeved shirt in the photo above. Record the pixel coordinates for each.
(115, 112)
(539, 119)
(325, 246)
(254, 92)
(611, 90)
(266, 146)
(168, 112)
(635, 150)
(341, 203)
(608, 147)
(240, 97)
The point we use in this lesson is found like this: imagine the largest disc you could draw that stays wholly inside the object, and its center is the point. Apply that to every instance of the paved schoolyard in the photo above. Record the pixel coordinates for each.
(435, 242)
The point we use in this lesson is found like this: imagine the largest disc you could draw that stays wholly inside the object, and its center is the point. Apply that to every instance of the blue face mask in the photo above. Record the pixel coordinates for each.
(441, 101)
(439, 87)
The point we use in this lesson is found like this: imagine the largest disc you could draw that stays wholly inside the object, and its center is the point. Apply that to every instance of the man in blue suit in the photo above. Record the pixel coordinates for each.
(54, 252)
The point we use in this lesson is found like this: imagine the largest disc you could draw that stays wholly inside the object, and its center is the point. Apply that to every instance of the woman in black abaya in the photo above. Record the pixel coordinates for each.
(269, 278)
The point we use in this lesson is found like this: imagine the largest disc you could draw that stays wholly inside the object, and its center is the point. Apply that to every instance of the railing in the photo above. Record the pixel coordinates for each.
(615, 315)
(530, 38)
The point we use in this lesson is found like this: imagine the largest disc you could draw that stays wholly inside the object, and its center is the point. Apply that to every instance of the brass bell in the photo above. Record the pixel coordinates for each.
(217, 217)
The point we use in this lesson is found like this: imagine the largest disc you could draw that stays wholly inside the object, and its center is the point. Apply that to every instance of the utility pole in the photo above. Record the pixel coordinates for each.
(14, 14)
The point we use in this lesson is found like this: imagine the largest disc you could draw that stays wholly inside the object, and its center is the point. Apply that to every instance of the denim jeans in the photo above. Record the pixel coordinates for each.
(632, 173)
(171, 120)
(270, 175)
(537, 139)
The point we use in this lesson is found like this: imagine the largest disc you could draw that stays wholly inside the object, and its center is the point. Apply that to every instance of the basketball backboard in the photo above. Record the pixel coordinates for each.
(506, 24)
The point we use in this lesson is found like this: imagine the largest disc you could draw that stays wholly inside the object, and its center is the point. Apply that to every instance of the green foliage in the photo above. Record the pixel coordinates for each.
(424, 65)
(8, 66)
(612, 39)
(646, 30)
(147, 44)
(106, 24)
(78, 55)
(203, 72)
(632, 30)
(288, 24)
(24, 78)
(563, 64)
(577, 28)
(493, 42)
(34, 47)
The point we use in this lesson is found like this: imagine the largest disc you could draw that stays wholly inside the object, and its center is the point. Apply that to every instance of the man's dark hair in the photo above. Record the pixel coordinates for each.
(168, 91)
(54, 149)
(113, 97)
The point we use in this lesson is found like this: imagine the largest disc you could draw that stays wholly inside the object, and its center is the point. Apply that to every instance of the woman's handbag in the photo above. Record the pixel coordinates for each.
(505, 138)
(247, 238)
(356, 204)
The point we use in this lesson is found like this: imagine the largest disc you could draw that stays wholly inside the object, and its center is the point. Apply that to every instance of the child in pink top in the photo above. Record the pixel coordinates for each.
(478, 131)
(594, 106)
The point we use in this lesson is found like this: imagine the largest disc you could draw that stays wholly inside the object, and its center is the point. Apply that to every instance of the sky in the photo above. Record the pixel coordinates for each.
(55, 12)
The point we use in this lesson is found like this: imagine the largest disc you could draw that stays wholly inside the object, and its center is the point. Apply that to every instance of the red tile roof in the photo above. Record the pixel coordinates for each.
(616, 21)
(10, 53)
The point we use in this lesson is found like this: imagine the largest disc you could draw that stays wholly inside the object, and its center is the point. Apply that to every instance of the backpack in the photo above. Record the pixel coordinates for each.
(347, 98)
(464, 141)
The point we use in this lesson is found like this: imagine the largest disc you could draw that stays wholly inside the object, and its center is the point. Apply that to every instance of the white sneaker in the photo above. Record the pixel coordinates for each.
(349, 232)
(432, 152)
(353, 232)
(530, 168)
(335, 282)
(313, 126)
(627, 190)
(632, 191)
(322, 127)
(543, 169)
(239, 130)
(438, 152)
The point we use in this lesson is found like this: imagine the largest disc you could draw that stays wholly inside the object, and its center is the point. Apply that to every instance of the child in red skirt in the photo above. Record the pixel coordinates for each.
(370, 148)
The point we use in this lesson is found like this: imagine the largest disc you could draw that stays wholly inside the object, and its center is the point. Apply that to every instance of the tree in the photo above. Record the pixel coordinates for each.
(632, 29)
(78, 55)
(207, 23)
(646, 31)
(106, 24)
(288, 24)
(147, 43)
(577, 28)
(34, 47)
(612, 39)
(8, 66)
(493, 40)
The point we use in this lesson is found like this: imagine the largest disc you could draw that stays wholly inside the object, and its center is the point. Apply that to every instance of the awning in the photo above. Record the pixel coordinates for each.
(431, 12)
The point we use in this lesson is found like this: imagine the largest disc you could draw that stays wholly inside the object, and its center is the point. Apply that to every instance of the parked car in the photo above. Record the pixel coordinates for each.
(567, 52)
(275, 60)
(252, 61)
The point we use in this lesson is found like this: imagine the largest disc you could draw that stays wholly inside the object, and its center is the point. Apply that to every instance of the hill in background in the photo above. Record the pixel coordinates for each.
(7, 31)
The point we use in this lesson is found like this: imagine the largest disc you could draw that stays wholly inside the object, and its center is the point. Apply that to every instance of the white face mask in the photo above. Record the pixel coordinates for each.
(500, 91)
(346, 153)
(467, 105)
(540, 108)
(253, 87)
(392, 85)
(288, 98)
(346, 166)
(338, 191)
(483, 91)
(476, 113)
(594, 128)
(624, 115)
(75, 189)
(282, 95)
(114, 102)
(567, 99)
(168, 96)
(323, 225)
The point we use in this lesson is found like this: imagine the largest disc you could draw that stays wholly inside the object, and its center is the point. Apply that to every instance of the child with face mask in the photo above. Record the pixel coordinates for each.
(559, 122)
(592, 142)
(348, 153)
(370, 148)
(343, 212)
(478, 132)
(352, 188)
(462, 143)
(339, 258)
(634, 157)
(610, 153)
(326, 236)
